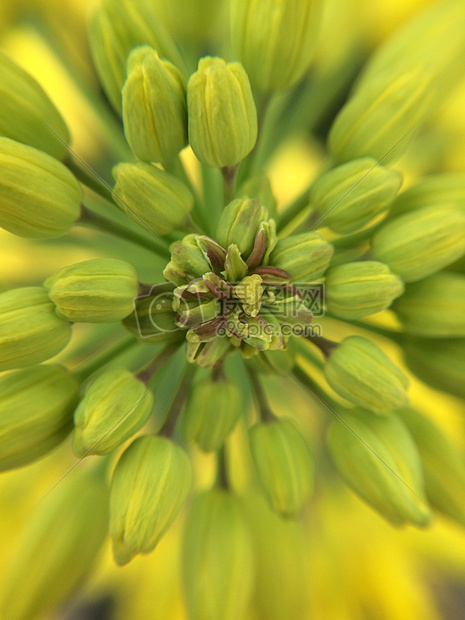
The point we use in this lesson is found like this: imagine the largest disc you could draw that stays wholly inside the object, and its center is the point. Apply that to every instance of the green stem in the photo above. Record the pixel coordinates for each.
(213, 197)
(222, 480)
(229, 183)
(97, 361)
(176, 167)
(145, 375)
(89, 177)
(105, 225)
(386, 333)
(169, 425)
(266, 414)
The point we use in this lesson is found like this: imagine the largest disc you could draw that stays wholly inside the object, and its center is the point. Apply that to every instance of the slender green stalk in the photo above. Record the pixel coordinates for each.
(222, 479)
(89, 178)
(169, 425)
(313, 386)
(265, 412)
(109, 354)
(105, 225)
(145, 375)
(229, 183)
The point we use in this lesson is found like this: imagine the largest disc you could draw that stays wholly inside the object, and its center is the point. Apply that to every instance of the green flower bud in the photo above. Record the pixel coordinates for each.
(283, 464)
(27, 114)
(117, 27)
(59, 548)
(434, 307)
(217, 558)
(239, 223)
(187, 262)
(153, 319)
(362, 373)
(355, 290)
(152, 197)
(440, 364)
(222, 114)
(154, 107)
(149, 488)
(36, 413)
(274, 40)
(30, 331)
(101, 290)
(207, 354)
(378, 119)
(443, 465)
(305, 257)
(418, 244)
(115, 407)
(378, 459)
(212, 411)
(439, 189)
(351, 195)
(278, 362)
(44, 207)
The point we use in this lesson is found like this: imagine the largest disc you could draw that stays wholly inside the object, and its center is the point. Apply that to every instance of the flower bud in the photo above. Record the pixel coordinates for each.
(378, 459)
(443, 465)
(362, 373)
(305, 257)
(154, 107)
(278, 362)
(222, 114)
(101, 290)
(434, 307)
(30, 331)
(187, 261)
(149, 487)
(48, 204)
(36, 413)
(438, 363)
(217, 558)
(239, 223)
(59, 548)
(117, 27)
(27, 114)
(378, 119)
(152, 197)
(351, 195)
(153, 319)
(115, 407)
(283, 464)
(355, 290)
(418, 244)
(274, 41)
(447, 188)
(212, 411)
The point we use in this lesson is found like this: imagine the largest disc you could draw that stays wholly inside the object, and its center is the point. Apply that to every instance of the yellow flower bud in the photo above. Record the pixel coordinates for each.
(439, 363)
(117, 27)
(44, 207)
(217, 558)
(351, 195)
(36, 413)
(59, 548)
(212, 411)
(101, 290)
(434, 307)
(152, 196)
(149, 487)
(27, 114)
(283, 464)
(305, 257)
(378, 120)
(30, 330)
(355, 290)
(115, 407)
(274, 40)
(362, 373)
(418, 244)
(378, 459)
(154, 107)
(222, 114)
(443, 465)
